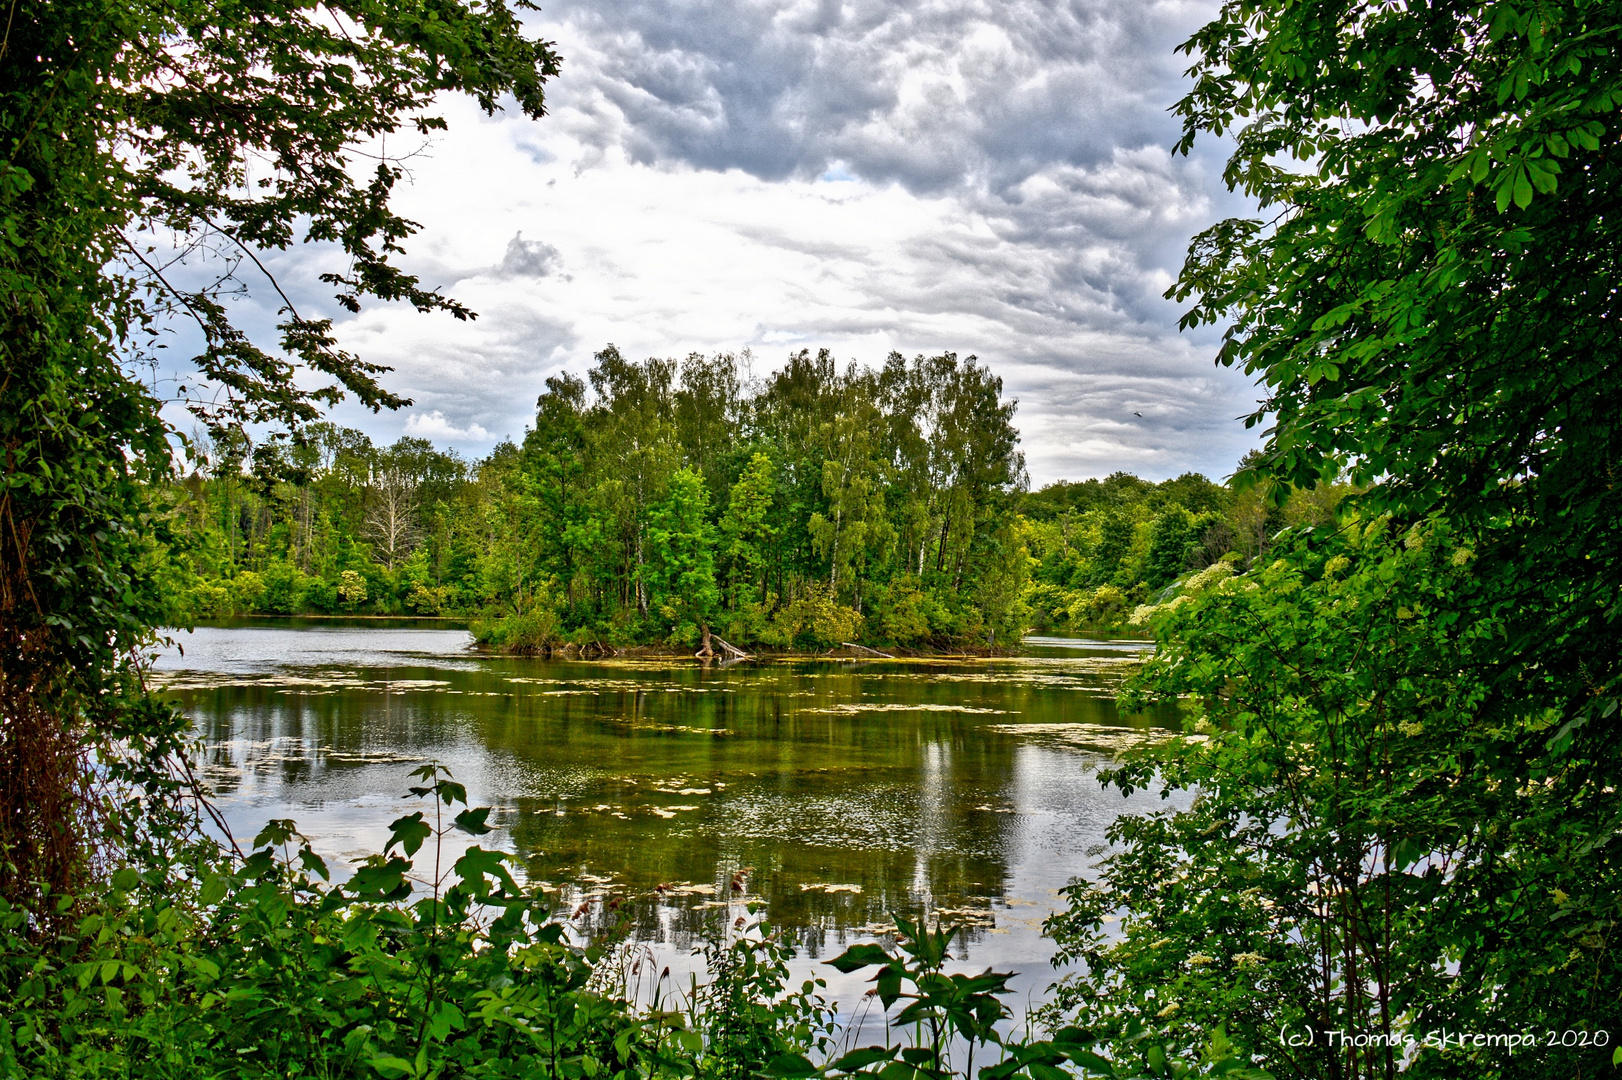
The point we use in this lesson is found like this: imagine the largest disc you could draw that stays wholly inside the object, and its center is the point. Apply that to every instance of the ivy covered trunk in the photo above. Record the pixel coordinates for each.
(119, 119)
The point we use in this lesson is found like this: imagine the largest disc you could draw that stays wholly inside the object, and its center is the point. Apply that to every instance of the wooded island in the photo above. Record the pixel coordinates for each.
(813, 506)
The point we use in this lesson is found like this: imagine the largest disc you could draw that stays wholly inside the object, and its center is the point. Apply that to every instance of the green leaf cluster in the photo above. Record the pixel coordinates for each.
(1383, 840)
(256, 967)
(431, 960)
(950, 1017)
(1104, 549)
(1405, 782)
(150, 155)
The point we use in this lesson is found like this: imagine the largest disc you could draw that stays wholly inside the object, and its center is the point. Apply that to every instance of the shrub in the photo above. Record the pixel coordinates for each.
(902, 613)
(250, 590)
(284, 589)
(1104, 607)
(260, 967)
(210, 599)
(427, 599)
(351, 589)
(321, 595)
(195, 963)
(813, 619)
(536, 629)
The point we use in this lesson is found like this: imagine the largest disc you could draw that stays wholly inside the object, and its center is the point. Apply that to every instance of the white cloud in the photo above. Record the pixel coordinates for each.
(873, 175)
(434, 426)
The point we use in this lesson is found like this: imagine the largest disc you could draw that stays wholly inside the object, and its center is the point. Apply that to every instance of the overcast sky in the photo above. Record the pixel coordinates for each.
(991, 178)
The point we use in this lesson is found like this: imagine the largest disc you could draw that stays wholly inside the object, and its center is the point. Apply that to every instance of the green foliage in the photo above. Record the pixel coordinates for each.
(747, 534)
(812, 620)
(952, 1017)
(351, 588)
(359, 529)
(1171, 537)
(1364, 854)
(1407, 787)
(681, 564)
(1103, 606)
(215, 967)
(431, 960)
(844, 515)
(536, 630)
(1105, 547)
(217, 133)
(748, 1018)
(907, 615)
(1454, 165)
(1430, 304)
(657, 502)
(942, 1007)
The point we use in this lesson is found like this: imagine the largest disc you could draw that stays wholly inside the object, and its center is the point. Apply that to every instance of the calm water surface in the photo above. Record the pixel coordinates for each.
(834, 791)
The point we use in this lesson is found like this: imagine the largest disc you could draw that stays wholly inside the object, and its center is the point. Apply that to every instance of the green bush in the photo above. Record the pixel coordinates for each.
(903, 614)
(1102, 608)
(1356, 827)
(261, 968)
(813, 619)
(249, 587)
(285, 586)
(535, 630)
(352, 591)
(210, 599)
(321, 596)
(428, 599)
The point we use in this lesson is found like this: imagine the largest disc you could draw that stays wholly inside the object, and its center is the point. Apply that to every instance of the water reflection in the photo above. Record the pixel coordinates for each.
(835, 792)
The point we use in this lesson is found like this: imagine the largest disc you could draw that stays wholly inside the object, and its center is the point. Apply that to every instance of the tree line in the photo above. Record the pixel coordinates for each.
(653, 500)
(658, 501)
(1102, 550)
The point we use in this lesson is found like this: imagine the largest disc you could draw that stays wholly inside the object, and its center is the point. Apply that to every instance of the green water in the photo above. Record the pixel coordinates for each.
(836, 792)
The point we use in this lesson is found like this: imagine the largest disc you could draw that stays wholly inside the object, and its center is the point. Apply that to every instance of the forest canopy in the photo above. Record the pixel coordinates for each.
(806, 507)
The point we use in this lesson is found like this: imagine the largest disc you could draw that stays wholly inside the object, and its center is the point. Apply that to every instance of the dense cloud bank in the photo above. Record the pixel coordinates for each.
(991, 178)
(926, 94)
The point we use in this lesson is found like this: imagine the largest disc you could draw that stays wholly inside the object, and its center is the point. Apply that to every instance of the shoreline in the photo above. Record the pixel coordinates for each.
(599, 651)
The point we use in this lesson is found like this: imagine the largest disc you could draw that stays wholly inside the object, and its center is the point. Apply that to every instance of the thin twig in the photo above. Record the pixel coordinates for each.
(176, 293)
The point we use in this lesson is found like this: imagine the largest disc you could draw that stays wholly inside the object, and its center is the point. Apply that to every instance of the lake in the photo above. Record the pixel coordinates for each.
(833, 792)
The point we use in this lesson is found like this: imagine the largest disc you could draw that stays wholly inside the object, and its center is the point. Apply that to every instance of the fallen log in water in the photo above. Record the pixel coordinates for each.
(864, 648)
(730, 649)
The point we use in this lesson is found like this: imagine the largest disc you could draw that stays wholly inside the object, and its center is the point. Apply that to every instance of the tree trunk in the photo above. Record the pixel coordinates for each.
(641, 592)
